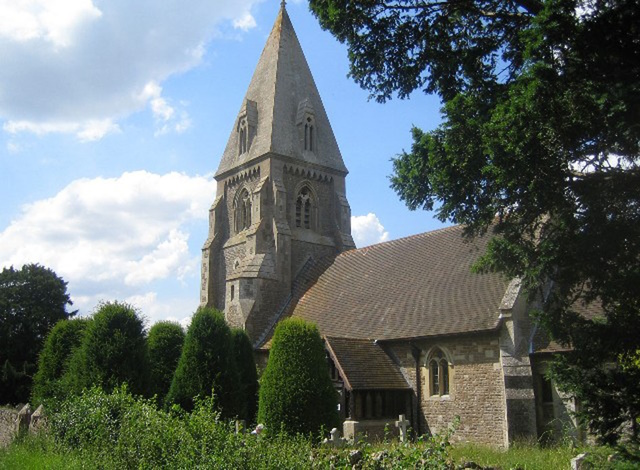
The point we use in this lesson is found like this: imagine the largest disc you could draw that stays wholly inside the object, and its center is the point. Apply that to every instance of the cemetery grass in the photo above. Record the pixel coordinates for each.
(42, 452)
(119, 431)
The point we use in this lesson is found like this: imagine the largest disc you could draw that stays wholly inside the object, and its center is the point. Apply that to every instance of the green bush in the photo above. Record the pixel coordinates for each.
(164, 344)
(113, 351)
(296, 393)
(245, 361)
(206, 365)
(54, 360)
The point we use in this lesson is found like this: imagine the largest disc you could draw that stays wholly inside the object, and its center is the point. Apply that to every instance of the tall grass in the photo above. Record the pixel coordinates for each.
(118, 431)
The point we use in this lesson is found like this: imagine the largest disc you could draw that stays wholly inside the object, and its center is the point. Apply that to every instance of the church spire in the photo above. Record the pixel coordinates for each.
(282, 112)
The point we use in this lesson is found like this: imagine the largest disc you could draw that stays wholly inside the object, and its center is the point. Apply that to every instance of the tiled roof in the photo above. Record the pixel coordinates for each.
(364, 365)
(412, 287)
(542, 343)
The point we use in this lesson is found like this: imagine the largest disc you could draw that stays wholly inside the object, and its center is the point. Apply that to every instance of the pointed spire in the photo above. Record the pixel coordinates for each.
(282, 94)
(283, 4)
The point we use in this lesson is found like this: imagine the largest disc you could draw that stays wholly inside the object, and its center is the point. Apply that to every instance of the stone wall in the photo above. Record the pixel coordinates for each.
(476, 388)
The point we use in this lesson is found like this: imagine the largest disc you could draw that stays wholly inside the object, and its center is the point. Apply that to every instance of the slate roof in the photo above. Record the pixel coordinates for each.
(282, 88)
(364, 365)
(418, 286)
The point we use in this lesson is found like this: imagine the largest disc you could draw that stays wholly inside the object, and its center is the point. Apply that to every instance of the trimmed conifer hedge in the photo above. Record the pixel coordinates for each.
(164, 344)
(113, 351)
(296, 393)
(248, 374)
(54, 359)
(206, 365)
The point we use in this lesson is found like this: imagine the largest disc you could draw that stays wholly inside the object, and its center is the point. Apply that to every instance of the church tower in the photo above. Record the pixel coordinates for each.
(280, 201)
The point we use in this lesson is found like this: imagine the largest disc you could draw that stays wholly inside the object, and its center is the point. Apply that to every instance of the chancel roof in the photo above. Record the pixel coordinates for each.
(413, 287)
(283, 93)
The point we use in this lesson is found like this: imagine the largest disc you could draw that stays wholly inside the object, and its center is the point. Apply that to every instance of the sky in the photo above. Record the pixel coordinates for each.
(114, 115)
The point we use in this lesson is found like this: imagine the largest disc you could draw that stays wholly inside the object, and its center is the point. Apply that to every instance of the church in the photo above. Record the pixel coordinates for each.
(408, 328)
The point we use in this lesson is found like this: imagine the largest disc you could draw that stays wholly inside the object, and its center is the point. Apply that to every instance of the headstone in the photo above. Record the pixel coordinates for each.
(23, 419)
(38, 420)
(579, 462)
(350, 430)
(240, 426)
(334, 439)
(402, 424)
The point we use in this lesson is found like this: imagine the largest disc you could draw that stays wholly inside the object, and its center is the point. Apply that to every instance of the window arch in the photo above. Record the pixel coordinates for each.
(439, 373)
(242, 210)
(305, 208)
(243, 136)
(309, 134)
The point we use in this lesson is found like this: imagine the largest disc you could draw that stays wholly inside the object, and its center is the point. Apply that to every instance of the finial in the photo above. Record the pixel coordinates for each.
(283, 4)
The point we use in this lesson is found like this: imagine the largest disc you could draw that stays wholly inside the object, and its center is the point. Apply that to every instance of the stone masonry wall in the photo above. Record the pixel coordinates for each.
(476, 389)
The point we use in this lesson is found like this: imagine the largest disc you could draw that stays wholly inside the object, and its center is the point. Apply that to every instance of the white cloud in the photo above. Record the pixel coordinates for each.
(70, 66)
(53, 21)
(367, 230)
(112, 238)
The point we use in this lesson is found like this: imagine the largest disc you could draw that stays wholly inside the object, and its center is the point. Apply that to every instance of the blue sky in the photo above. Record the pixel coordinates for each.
(114, 116)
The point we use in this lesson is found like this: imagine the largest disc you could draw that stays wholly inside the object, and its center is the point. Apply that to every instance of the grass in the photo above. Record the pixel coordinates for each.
(521, 455)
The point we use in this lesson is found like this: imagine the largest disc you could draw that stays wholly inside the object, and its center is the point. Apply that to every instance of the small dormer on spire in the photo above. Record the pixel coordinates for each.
(247, 126)
(306, 122)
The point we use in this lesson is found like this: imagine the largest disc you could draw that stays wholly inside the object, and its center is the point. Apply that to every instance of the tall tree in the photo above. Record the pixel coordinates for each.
(296, 393)
(248, 374)
(113, 351)
(54, 359)
(164, 344)
(32, 300)
(540, 141)
(207, 364)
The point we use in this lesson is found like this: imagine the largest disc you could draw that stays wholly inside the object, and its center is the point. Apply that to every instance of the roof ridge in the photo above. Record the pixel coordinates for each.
(401, 240)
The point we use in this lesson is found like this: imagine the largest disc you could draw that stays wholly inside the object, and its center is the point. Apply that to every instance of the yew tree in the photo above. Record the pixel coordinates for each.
(540, 143)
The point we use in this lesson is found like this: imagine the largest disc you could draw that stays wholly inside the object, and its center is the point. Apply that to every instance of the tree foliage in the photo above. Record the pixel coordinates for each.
(206, 364)
(113, 351)
(296, 393)
(164, 344)
(54, 359)
(248, 374)
(32, 300)
(540, 141)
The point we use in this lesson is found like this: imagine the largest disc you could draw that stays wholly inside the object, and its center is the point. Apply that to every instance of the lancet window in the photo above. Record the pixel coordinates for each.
(243, 211)
(439, 373)
(309, 135)
(305, 208)
(243, 137)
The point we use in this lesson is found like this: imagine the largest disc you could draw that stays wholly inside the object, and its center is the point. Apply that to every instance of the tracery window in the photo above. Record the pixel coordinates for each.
(309, 136)
(304, 208)
(242, 211)
(439, 375)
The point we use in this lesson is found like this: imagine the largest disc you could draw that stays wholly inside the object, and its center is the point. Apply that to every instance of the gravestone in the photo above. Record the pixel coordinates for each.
(402, 424)
(23, 419)
(240, 426)
(38, 420)
(334, 439)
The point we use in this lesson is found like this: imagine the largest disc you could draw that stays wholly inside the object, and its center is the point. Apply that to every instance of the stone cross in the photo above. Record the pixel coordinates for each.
(334, 440)
(402, 424)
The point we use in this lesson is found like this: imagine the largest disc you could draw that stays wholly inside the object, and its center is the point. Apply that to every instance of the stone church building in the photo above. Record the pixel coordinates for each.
(408, 328)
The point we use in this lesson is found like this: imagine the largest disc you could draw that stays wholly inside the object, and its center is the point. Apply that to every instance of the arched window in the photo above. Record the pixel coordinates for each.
(242, 211)
(439, 373)
(304, 208)
(309, 135)
(243, 136)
